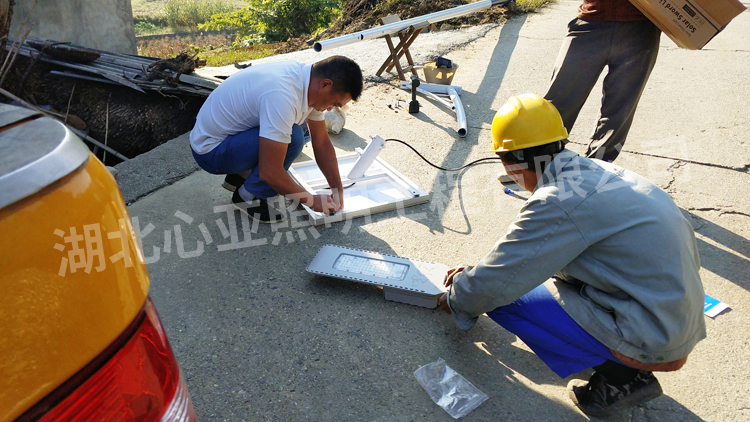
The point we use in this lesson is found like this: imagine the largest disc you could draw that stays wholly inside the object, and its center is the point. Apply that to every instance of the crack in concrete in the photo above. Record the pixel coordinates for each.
(743, 169)
(671, 169)
(734, 213)
(705, 209)
(167, 182)
(699, 226)
(729, 51)
(696, 221)
(721, 211)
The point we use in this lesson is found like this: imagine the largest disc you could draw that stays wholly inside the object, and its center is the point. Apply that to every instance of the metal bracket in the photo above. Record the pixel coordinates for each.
(434, 91)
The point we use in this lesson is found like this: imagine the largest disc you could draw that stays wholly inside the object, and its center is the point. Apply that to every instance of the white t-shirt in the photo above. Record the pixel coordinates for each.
(272, 96)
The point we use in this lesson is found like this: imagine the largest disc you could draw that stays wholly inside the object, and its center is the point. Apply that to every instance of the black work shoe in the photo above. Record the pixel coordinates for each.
(233, 182)
(259, 210)
(599, 398)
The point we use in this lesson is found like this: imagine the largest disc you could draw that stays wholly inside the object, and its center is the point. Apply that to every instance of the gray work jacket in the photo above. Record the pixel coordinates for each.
(624, 257)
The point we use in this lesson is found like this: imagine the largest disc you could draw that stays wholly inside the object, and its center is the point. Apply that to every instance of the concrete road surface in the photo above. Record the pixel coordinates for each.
(258, 338)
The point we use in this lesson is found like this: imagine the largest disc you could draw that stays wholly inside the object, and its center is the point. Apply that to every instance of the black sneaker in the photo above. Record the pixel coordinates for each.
(259, 210)
(233, 182)
(599, 398)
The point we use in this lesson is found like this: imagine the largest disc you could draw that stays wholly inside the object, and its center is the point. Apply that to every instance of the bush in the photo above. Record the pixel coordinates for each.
(268, 21)
(144, 28)
(191, 13)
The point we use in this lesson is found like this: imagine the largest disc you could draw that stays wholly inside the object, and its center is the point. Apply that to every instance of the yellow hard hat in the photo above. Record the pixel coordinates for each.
(526, 121)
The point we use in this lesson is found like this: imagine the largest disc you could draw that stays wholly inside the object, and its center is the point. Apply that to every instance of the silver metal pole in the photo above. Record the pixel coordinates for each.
(436, 97)
(417, 22)
(434, 88)
(460, 114)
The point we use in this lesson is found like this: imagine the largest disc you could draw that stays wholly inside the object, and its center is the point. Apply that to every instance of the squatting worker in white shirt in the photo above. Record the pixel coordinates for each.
(249, 129)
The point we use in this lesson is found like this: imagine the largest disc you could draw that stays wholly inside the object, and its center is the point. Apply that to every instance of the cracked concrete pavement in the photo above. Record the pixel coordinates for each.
(258, 338)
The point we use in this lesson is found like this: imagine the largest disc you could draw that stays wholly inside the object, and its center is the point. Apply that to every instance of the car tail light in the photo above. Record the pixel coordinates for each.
(136, 379)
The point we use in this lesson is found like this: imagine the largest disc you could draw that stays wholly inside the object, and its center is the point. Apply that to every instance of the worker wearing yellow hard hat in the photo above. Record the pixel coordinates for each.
(526, 121)
(581, 275)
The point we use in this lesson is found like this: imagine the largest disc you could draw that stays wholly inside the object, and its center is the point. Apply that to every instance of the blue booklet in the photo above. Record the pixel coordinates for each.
(713, 307)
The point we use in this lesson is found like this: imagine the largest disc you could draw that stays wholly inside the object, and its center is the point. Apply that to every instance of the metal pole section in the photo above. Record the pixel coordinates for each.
(368, 156)
(453, 91)
(442, 101)
(460, 114)
(392, 28)
(434, 88)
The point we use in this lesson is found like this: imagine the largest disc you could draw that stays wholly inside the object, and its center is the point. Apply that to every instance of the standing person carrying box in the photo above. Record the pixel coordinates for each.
(612, 34)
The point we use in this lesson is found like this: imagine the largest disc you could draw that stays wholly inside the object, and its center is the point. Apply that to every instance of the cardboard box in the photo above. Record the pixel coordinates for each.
(690, 23)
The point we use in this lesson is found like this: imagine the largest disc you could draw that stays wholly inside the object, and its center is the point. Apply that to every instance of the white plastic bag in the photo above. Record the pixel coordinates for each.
(448, 389)
(335, 119)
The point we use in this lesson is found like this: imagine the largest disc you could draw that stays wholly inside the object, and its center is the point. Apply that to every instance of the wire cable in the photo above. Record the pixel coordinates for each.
(508, 191)
(436, 166)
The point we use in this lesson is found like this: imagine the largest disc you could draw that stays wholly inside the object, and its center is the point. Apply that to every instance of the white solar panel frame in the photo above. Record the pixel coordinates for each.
(409, 194)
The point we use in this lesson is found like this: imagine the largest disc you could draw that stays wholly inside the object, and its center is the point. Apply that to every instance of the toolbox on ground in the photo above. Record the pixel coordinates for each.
(690, 23)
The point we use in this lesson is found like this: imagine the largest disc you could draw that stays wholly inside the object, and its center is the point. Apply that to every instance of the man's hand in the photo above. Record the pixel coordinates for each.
(444, 303)
(448, 281)
(325, 156)
(452, 273)
(324, 203)
(338, 199)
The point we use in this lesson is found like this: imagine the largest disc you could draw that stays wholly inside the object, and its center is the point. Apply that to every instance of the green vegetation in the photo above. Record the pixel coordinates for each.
(228, 56)
(256, 22)
(215, 48)
(529, 6)
(170, 16)
(145, 9)
(264, 21)
(146, 28)
(191, 13)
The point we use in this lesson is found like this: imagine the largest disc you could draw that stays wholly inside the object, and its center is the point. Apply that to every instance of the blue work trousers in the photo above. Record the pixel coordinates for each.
(239, 154)
(540, 322)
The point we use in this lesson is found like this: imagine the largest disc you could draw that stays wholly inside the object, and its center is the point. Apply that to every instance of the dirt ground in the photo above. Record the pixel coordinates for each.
(363, 14)
(359, 15)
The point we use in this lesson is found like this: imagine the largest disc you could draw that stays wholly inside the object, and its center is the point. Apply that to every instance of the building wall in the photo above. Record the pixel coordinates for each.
(101, 24)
